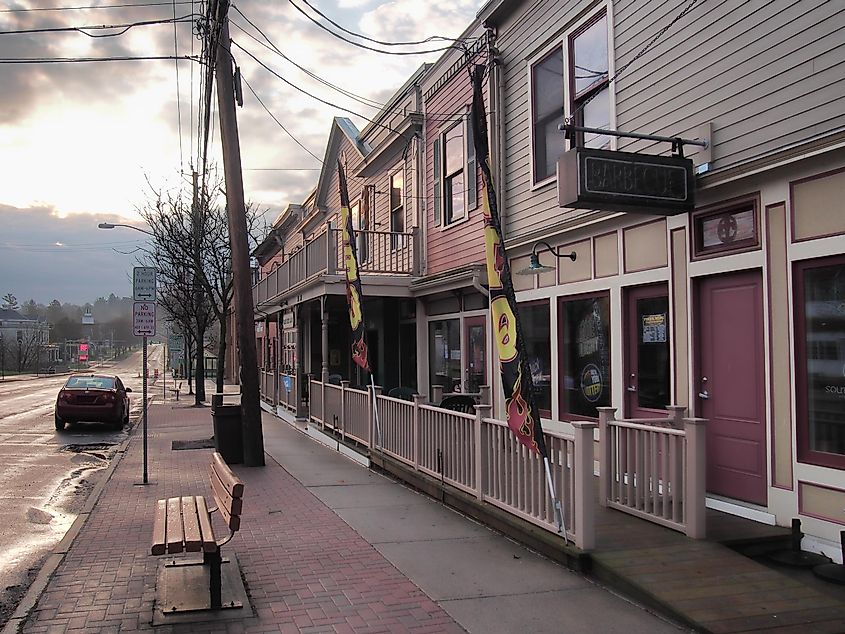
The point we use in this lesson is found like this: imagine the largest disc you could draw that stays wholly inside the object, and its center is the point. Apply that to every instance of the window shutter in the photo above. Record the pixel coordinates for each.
(438, 175)
(471, 165)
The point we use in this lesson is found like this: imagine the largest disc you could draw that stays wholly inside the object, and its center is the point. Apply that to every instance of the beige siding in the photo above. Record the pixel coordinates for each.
(766, 74)
(818, 209)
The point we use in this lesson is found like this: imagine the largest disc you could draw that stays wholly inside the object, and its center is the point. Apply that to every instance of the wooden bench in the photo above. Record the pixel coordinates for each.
(183, 524)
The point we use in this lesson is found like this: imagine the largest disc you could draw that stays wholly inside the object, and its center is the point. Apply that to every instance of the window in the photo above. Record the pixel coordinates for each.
(586, 68)
(397, 209)
(534, 320)
(444, 353)
(729, 229)
(455, 173)
(585, 355)
(359, 223)
(820, 360)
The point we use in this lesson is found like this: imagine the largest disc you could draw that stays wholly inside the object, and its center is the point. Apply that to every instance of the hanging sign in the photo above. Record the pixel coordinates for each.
(625, 181)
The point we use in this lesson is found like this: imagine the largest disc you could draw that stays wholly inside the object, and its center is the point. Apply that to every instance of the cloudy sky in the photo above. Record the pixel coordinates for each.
(80, 143)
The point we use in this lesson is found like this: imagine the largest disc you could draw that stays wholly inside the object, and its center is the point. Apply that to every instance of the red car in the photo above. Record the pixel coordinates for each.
(93, 397)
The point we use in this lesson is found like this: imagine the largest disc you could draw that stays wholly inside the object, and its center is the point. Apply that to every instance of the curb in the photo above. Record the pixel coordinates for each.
(57, 555)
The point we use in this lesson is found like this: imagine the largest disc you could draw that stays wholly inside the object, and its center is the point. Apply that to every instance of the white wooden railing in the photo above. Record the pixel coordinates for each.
(472, 452)
(268, 386)
(654, 468)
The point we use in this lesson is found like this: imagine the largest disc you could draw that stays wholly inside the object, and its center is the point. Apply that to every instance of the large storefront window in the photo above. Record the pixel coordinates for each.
(534, 319)
(585, 356)
(444, 353)
(820, 303)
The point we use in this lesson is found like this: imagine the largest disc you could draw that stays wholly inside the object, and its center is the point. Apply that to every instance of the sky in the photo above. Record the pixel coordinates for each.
(84, 143)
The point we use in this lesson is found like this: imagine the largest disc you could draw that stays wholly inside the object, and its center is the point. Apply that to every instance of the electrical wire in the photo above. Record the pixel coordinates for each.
(369, 39)
(279, 123)
(178, 95)
(275, 49)
(642, 52)
(95, 6)
(100, 27)
(73, 60)
(364, 46)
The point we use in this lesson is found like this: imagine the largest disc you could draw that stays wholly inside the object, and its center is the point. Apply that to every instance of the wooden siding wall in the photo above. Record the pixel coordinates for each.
(768, 75)
(463, 243)
(529, 212)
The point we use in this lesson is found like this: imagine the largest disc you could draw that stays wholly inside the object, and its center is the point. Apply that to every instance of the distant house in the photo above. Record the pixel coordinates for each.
(22, 340)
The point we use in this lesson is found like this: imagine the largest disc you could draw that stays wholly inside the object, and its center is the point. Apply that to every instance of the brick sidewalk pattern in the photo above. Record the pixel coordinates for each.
(306, 570)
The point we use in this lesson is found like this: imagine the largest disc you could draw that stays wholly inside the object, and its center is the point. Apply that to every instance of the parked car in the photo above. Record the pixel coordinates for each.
(98, 398)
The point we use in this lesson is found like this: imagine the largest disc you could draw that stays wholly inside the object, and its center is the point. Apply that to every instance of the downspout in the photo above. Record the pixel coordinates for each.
(477, 286)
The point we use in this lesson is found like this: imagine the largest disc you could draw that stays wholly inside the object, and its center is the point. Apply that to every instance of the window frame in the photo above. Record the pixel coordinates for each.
(547, 303)
(563, 412)
(699, 216)
(574, 99)
(396, 242)
(565, 42)
(469, 170)
(804, 454)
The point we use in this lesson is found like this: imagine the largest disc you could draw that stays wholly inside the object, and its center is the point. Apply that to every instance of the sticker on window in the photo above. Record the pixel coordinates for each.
(654, 328)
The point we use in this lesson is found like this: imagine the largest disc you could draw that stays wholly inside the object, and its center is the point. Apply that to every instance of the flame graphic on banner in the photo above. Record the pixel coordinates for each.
(521, 407)
(353, 280)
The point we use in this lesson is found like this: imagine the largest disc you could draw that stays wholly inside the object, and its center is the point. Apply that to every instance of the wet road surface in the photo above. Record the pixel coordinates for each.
(45, 475)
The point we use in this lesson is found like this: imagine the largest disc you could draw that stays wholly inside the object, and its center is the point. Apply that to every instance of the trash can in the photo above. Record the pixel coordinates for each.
(228, 433)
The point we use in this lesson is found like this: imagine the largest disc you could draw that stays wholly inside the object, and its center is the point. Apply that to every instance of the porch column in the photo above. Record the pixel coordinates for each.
(297, 378)
(694, 479)
(324, 321)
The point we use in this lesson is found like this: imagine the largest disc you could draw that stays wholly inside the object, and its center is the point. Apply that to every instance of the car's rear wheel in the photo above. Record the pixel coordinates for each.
(60, 424)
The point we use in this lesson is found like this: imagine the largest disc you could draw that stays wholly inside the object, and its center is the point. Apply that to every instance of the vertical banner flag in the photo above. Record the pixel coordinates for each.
(520, 405)
(353, 280)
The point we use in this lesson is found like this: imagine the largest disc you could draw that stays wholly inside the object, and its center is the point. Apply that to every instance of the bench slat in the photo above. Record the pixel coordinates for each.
(175, 535)
(222, 496)
(159, 546)
(209, 543)
(232, 483)
(193, 537)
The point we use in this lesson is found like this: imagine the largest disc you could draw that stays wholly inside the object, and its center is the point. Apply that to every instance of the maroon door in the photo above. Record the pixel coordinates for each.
(647, 351)
(729, 384)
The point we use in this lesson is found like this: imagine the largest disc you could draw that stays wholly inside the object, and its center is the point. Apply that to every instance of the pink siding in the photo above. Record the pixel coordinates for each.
(462, 244)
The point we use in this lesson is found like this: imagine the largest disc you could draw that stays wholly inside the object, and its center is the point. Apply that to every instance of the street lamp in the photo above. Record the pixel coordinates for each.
(534, 267)
(112, 225)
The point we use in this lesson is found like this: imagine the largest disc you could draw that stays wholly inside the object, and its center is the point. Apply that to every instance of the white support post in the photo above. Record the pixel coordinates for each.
(584, 505)
(695, 503)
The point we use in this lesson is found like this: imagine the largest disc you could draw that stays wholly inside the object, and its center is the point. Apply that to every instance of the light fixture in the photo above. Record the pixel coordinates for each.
(534, 267)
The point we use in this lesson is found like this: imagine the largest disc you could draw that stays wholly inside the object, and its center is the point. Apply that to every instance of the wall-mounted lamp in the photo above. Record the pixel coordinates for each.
(534, 267)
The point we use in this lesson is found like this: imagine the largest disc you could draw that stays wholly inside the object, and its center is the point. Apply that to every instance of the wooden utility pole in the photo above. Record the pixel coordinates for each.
(253, 436)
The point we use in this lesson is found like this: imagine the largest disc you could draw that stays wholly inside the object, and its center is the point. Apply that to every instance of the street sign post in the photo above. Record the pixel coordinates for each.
(144, 284)
(144, 325)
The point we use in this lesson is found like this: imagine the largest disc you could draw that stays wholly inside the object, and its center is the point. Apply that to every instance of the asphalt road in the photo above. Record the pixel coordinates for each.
(45, 475)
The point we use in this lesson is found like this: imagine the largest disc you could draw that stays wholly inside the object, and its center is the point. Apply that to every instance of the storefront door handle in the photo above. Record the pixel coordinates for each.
(704, 395)
(631, 388)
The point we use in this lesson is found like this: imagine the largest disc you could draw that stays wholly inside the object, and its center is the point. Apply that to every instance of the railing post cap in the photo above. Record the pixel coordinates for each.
(584, 424)
(480, 407)
(676, 408)
(419, 398)
(695, 421)
(344, 383)
(606, 409)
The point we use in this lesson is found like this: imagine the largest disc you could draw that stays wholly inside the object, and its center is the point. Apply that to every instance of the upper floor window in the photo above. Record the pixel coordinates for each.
(455, 179)
(397, 209)
(572, 80)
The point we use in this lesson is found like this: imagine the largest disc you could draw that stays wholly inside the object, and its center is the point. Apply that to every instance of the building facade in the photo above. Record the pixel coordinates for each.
(735, 310)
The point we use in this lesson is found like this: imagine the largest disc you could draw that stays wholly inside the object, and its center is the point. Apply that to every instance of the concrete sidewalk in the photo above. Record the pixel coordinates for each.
(326, 546)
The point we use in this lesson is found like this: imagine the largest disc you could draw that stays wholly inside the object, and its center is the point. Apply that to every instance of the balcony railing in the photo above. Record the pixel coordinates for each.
(379, 252)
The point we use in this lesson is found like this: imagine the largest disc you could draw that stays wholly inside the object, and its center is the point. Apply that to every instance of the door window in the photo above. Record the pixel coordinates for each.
(476, 346)
(534, 319)
(444, 353)
(585, 358)
(652, 320)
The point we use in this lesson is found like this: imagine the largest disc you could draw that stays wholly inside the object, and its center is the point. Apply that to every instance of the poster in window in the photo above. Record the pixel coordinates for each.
(586, 381)
(654, 328)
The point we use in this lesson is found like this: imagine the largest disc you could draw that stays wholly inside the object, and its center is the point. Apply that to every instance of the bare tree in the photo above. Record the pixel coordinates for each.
(193, 238)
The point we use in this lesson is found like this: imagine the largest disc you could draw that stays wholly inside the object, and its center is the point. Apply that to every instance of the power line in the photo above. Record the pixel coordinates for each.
(178, 95)
(279, 123)
(95, 6)
(272, 47)
(369, 39)
(100, 27)
(364, 46)
(74, 60)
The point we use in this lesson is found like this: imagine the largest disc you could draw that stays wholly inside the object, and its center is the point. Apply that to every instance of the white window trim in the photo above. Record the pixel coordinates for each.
(442, 136)
(563, 42)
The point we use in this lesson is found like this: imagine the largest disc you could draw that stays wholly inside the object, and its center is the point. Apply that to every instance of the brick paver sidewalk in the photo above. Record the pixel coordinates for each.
(305, 569)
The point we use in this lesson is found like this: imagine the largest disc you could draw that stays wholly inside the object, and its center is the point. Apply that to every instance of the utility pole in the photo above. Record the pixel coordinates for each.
(253, 438)
(196, 230)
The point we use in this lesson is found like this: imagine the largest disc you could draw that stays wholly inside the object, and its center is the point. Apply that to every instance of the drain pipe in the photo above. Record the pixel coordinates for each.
(477, 286)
